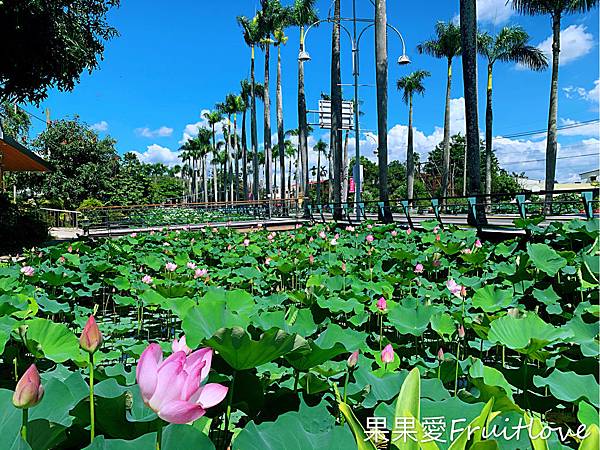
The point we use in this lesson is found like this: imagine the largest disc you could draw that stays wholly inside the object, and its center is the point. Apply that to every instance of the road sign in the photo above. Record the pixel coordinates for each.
(347, 114)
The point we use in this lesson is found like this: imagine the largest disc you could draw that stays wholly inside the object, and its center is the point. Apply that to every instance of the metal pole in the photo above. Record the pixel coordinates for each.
(356, 168)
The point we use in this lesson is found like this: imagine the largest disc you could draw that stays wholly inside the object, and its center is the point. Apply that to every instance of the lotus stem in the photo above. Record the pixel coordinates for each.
(24, 424)
(456, 370)
(439, 369)
(159, 431)
(92, 418)
(296, 377)
(380, 330)
(229, 400)
(346, 382)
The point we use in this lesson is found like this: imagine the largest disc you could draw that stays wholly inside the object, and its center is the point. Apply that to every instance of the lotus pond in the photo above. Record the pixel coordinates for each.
(367, 337)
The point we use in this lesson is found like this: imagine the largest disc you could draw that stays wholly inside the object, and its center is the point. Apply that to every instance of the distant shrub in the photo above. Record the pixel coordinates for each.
(90, 203)
(20, 226)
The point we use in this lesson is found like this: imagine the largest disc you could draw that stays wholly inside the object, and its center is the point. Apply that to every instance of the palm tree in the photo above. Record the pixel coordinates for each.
(252, 37)
(290, 152)
(303, 14)
(447, 45)
(411, 84)
(204, 140)
(213, 118)
(336, 114)
(556, 9)
(509, 45)
(320, 147)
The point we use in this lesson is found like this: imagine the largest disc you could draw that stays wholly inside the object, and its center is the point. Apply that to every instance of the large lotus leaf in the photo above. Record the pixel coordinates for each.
(443, 324)
(549, 298)
(587, 414)
(147, 441)
(592, 441)
(298, 321)
(546, 259)
(310, 427)
(491, 377)
(526, 335)
(491, 299)
(6, 326)
(584, 334)
(570, 386)
(59, 398)
(410, 318)
(180, 437)
(376, 388)
(53, 341)
(352, 340)
(336, 304)
(241, 352)
(10, 423)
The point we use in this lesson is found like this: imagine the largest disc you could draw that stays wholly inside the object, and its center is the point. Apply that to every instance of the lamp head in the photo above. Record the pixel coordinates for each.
(404, 60)
(303, 56)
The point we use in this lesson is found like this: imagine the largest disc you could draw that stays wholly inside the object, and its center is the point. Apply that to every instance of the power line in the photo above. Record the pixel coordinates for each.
(562, 127)
(544, 159)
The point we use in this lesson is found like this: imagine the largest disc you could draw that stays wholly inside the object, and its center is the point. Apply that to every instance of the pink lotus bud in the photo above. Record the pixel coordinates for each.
(437, 237)
(29, 390)
(409, 231)
(381, 304)
(267, 261)
(152, 233)
(311, 239)
(463, 291)
(191, 265)
(370, 238)
(436, 229)
(344, 266)
(387, 354)
(28, 271)
(147, 279)
(90, 338)
(70, 249)
(461, 332)
(246, 242)
(352, 360)
(394, 233)
(322, 234)
(419, 268)
(61, 260)
(440, 355)
(478, 244)
(133, 235)
(171, 266)
(180, 346)
(369, 226)
(311, 259)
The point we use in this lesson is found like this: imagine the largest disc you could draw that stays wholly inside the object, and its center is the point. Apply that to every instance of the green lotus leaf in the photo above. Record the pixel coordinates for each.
(53, 341)
(570, 386)
(101, 443)
(410, 319)
(491, 299)
(587, 414)
(545, 258)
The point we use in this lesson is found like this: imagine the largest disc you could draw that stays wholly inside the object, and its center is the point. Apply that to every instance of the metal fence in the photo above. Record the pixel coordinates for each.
(59, 218)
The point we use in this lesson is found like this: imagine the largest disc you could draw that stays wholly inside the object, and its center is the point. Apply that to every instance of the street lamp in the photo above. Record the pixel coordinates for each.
(403, 60)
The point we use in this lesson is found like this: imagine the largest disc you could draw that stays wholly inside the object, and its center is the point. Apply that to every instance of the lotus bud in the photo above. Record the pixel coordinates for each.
(440, 355)
(352, 359)
(381, 304)
(29, 390)
(419, 268)
(370, 238)
(461, 332)
(90, 338)
(387, 354)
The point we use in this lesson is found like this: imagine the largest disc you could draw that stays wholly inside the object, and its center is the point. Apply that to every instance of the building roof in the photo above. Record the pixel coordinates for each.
(18, 158)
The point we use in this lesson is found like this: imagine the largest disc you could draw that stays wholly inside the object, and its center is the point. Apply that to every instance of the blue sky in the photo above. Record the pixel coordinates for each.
(175, 59)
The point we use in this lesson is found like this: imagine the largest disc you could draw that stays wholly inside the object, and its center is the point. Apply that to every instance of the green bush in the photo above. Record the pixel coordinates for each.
(20, 226)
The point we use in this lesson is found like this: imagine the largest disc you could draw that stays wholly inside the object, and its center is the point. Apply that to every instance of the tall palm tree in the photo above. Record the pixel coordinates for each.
(556, 9)
(290, 152)
(213, 118)
(252, 37)
(446, 44)
(320, 147)
(409, 85)
(336, 113)
(204, 140)
(509, 45)
(303, 14)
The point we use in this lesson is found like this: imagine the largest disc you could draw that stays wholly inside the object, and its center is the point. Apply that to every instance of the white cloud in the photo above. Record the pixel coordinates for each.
(494, 11)
(100, 126)
(589, 129)
(575, 42)
(191, 129)
(159, 132)
(157, 154)
(593, 95)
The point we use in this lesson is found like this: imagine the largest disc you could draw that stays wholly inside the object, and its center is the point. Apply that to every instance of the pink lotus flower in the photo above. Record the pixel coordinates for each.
(191, 265)
(381, 304)
(440, 354)
(322, 234)
(333, 241)
(270, 236)
(344, 266)
(437, 237)
(454, 287)
(246, 242)
(370, 238)
(180, 346)
(387, 354)
(478, 244)
(394, 233)
(133, 235)
(200, 273)
(166, 244)
(90, 338)
(311, 239)
(369, 226)
(311, 259)
(436, 229)
(267, 261)
(28, 271)
(467, 251)
(172, 387)
(461, 332)
(171, 266)
(409, 231)
(152, 233)
(29, 390)
(352, 360)
(147, 279)
(350, 228)
(419, 268)
(70, 249)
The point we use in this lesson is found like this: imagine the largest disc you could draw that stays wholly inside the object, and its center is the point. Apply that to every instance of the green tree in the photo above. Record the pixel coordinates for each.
(51, 44)
(409, 85)
(445, 45)
(213, 118)
(15, 121)
(131, 184)
(556, 9)
(509, 45)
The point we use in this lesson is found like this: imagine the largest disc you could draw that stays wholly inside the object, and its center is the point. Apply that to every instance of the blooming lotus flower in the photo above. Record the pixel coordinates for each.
(419, 268)
(350, 228)
(147, 279)
(171, 266)
(381, 304)
(467, 251)
(29, 390)
(387, 354)
(369, 226)
(172, 387)
(461, 332)
(352, 360)
(28, 271)
(440, 354)
(454, 287)
(61, 260)
(133, 235)
(180, 346)
(333, 241)
(394, 233)
(436, 229)
(478, 244)
(322, 235)
(90, 338)
(200, 273)
(191, 265)
(267, 261)
(370, 238)
(246, 242)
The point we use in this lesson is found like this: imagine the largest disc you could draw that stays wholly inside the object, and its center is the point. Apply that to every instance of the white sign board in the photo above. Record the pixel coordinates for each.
(347, 114)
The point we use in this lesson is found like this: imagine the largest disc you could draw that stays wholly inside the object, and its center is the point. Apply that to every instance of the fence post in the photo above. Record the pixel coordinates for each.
(406, 210)
(435, 203)
(587, 197)
(520, 199)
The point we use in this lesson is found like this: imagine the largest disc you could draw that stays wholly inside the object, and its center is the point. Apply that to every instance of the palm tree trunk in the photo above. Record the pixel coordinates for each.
(488, 136)
(331, 175)
(267, 124)
(235, 182)
(244, 156)
(205, 176)
(280, 129)
(214, 170)
(336, 113)
(551, 145)
(410, 157)
(253, 133)
(381, 77)
(468, 24)
(290, 176)
(302, 126)
(318, 177)
(345, 168)
(446, 153)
